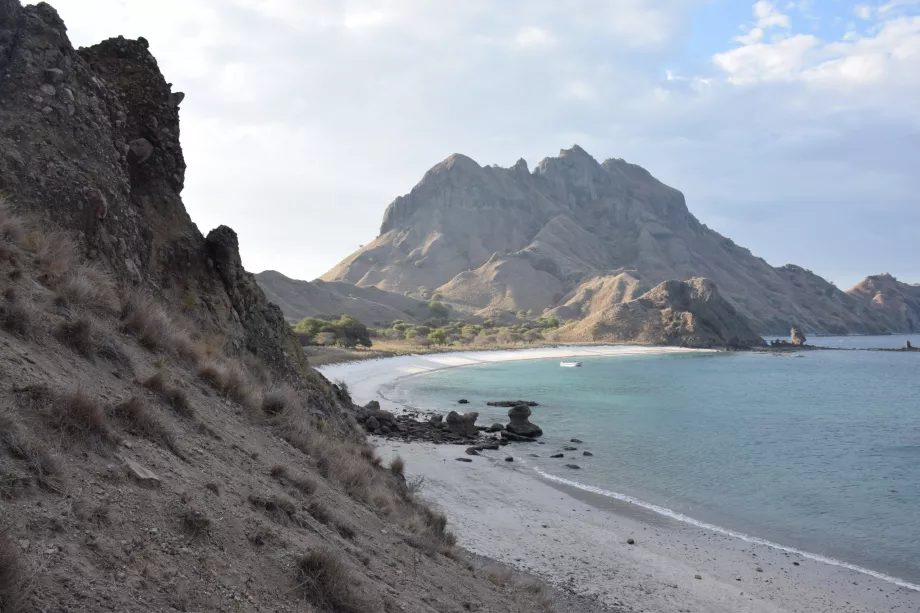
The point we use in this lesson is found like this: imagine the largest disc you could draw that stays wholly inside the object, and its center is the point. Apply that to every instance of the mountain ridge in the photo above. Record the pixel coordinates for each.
(490, 239)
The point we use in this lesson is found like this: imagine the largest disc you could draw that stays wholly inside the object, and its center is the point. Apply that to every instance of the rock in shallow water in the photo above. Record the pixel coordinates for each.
(464, 460)
(520, 422)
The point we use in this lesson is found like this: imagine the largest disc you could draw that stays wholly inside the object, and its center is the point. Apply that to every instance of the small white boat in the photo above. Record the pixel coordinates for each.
(567, 364)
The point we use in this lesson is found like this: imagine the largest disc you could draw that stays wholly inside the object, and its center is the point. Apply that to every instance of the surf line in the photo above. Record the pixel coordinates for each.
(727, 532)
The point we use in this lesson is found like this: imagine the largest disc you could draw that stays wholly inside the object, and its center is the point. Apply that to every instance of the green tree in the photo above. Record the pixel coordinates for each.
(438, 337)
(437, 310)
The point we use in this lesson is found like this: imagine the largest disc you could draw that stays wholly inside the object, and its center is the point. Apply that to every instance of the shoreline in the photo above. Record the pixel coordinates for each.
(576, 538)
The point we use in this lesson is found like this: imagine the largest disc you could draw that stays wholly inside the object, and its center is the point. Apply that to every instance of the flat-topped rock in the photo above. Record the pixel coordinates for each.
(520, 422)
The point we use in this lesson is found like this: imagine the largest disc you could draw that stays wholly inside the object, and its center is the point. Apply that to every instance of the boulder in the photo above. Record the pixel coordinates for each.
(520, 422)
(372, 424)
(512, 403)
(557, 455)
(587, 454)
(509, 459)
(462, 424)
(573, 466)
(576, 441)
(139, 150)
(569, 449)
(436, 420)
(472, 451)
(516, 438)
(463, 401)
(496, 428)
(373, 405)
(464, 460)
(797, 337)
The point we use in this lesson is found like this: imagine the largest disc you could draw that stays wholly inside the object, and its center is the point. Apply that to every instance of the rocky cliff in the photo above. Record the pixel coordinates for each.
(681, 313)
(491, 238)
(886, 298)
(89, 144)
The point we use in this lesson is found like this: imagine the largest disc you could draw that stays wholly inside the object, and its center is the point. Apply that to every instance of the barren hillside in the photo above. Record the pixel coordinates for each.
(164, 445)
(889, 298)
(491, 238)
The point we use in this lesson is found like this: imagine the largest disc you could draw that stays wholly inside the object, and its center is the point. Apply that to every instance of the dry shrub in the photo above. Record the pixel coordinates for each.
(319, 511)
(54, 252)
(78, 335)
(29, 449)
(428, 530)
(15, 583)
(303, 484)
(397, 466)
(154, 329)
(327, 582)
(16, 315)
(499, 575)
(77, 416)
(174, 397)
(278, 399)
(140, 420)
(88, 286)
(229, 379)
(345, 530)
(12, 227)
(280, 510)
(541, 593)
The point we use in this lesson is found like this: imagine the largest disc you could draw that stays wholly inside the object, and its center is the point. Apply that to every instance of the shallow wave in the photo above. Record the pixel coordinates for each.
(727, 532)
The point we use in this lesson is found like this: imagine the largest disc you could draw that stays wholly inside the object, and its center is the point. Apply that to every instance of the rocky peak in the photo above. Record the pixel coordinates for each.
(89, 143)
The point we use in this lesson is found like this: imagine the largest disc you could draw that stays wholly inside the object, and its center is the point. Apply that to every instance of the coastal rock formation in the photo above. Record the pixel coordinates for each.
(682, 313)
(576, 235)
(462, 424)
(896, 302)
(796, 337)
(511, 403)
(520, 422)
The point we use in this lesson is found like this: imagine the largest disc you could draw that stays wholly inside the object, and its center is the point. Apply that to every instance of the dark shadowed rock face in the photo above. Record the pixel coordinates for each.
(102, 121)
(462, 424)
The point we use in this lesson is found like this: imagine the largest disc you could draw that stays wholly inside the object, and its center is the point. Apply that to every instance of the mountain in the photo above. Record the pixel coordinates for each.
(885, 296)
(491, 239)
(370, 305)
(684, 313)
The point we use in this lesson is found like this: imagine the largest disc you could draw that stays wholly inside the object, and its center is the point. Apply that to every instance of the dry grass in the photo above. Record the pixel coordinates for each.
(279, 398)
(230, 380)
(397, 466)
(54, 252)
(326, 581)
(499, 575)
(148, 321)
(87, 286)
(78, 335)
(12, 227)
(428, 530)
(15, 583)
(304, 485)
(140, 420)
(541, 594)
(174, 397)
(76, 415)
(16, 315)
(29, 449)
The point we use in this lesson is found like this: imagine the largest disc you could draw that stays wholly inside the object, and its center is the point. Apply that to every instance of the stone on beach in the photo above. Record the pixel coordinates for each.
(464, 460)
(511, 403)
(587, 453)
(573, 466)
(462, 424)
(520, 422)
(576, 441)
(509, 459)
(463, 401)
(557, 455)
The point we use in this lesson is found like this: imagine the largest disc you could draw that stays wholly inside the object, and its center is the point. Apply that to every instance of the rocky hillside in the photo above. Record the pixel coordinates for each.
(370, 305)
(164, 446)
(491, 238)
(886, 297)
(682, 313)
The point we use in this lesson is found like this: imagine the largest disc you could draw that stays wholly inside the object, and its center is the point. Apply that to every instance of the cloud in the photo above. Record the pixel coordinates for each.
(768, 17)
(533, 37)
(862, 11)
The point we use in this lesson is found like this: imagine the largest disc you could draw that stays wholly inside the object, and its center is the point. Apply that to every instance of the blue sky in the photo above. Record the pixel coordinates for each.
(791, 127)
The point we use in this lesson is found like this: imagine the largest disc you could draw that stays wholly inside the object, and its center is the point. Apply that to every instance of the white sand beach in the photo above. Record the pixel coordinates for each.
(578, 540)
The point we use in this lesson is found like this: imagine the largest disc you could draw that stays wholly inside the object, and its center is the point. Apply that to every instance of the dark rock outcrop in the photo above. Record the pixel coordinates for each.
(520, 422)
(89, 143)
(462, 424)
(512, 403)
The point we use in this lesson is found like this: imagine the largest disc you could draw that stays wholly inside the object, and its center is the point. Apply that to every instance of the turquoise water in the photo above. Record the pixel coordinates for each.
(818, 451)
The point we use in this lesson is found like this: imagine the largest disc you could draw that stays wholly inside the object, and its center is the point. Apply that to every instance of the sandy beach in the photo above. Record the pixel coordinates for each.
(577, 539)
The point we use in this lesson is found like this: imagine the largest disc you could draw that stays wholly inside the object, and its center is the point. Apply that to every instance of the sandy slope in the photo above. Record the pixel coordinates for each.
(508, 512)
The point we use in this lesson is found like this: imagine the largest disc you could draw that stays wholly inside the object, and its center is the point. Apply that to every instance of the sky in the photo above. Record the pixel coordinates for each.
(791, 127)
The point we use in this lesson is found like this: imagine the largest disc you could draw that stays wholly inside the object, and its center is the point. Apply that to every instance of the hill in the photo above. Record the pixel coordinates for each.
(164, 445)
(373, 306)
(886, 297)
(491, 239)
(683, 313)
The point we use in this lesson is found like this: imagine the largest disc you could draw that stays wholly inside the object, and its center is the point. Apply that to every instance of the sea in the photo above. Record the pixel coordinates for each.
(816, 452)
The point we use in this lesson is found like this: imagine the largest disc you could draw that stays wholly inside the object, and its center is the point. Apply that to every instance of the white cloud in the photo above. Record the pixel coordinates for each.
(777, 61)
(753, 36)
(862, 11)
(533, 37)
(768, 17)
